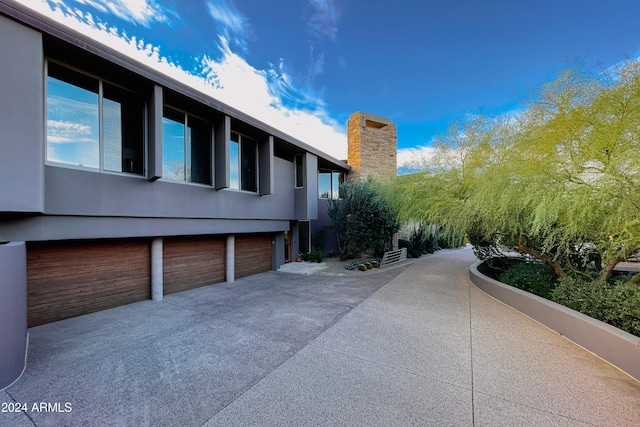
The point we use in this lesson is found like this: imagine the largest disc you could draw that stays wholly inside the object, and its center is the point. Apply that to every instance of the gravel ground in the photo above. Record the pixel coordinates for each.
(336, 267)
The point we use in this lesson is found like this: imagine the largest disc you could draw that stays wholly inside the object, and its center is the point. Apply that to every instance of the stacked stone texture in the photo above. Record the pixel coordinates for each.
(372, 147)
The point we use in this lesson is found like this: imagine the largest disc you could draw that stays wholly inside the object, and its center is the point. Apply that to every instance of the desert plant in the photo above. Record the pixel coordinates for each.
(559, 175)
(411, 251)
(308, 256)
(363, 219)
(423, 240)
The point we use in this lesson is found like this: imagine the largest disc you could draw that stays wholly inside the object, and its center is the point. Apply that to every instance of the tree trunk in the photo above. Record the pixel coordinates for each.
(557, 268)
(607, 271)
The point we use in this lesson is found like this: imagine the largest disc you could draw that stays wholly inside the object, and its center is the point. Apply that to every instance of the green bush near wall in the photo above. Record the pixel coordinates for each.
(532, 277)
(616, 303)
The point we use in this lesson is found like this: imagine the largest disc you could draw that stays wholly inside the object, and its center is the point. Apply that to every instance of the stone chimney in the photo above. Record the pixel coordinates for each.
(372, 147)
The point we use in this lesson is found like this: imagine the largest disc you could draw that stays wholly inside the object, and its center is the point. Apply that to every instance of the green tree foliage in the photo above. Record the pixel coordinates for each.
(363, 219)
(558, 180)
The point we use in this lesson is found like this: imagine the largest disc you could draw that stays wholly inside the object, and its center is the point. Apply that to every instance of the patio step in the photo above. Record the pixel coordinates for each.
(303, 267)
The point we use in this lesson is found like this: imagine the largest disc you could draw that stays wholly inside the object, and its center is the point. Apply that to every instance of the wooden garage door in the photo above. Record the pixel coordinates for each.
(253, 255)
(74, 278)
(192, 262)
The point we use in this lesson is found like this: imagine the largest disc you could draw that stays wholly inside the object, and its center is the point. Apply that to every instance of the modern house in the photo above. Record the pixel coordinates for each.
(119, 184)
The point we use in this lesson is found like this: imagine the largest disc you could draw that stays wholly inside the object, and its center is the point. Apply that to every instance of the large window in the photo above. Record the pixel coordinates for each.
(329, 184)
(186, 147)
(92, 123)
(243, 166)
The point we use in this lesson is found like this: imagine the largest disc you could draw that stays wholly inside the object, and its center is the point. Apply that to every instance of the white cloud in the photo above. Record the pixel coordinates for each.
(316, 65)
(227, 16)
(414, 159)
(60, 132)
(231, 24)
(324, 19)
(261, 93)
(267, 95)
(142, 12)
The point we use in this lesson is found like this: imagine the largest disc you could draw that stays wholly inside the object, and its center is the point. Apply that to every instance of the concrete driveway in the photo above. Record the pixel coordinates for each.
(411, 345)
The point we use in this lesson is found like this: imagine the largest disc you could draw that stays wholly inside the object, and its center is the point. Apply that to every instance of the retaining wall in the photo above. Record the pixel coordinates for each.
(13, 311)
(617, 347)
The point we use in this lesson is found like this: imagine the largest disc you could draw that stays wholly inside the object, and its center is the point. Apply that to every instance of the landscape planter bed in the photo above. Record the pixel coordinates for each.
(617, 347)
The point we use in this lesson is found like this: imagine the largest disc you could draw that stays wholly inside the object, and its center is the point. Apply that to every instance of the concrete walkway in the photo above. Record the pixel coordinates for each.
(412, 345)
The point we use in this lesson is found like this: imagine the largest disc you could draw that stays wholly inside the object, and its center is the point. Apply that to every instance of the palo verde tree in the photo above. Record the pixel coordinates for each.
(558, 180)
(363, 219)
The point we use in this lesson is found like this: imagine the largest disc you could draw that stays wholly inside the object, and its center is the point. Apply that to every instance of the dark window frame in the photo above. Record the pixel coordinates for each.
(197, 153)
(336, 178)
(131, 149)
(247, 163)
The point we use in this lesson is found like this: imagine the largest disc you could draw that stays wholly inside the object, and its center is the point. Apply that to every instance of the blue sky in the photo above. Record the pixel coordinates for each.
(304, 66)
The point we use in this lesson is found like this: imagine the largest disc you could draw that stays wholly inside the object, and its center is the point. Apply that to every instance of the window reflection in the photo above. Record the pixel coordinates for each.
(75, 130)
(243, 159)
(73, 125)
(186, 147)
(324, 184)
(329, 184)
(234, 150)
(173, 145)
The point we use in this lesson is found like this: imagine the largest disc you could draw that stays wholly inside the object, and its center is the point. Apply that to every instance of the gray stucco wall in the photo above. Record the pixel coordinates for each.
(43, 228)
(306, 197)
(277, 253)
(324, 223)
(13, 311)
(87, 205)
(78, 192)
(22, 113)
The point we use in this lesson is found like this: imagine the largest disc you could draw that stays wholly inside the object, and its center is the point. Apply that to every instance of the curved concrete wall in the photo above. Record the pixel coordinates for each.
(13, 311)
(617, 347)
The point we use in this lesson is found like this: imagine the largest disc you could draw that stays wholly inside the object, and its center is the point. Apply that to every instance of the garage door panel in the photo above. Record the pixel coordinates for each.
(252, 255)
(74, 278)
(190, 263)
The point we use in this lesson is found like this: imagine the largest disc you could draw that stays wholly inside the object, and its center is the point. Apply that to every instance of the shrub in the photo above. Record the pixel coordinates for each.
(362, 267)
(617, 304)
(533, 277)
(368, 265)
(375, 262)
(306, 256)
(411, 251)
(450, 243)
(422, 240)
(363, 219)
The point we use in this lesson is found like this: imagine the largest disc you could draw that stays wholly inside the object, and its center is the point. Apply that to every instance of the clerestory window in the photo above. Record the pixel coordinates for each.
(92, 123)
